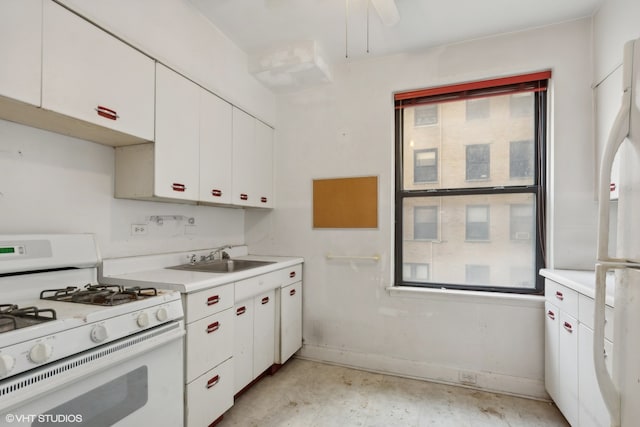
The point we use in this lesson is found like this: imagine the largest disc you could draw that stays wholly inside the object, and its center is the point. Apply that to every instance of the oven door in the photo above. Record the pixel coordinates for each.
(132, 382)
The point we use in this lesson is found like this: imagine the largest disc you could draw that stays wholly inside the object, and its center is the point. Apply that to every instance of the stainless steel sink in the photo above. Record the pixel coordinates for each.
(221, 266)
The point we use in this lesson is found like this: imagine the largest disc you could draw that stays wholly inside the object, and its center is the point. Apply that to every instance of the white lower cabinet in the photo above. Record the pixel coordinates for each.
(569, 368)
(254, 338)
(207, 394)
(290, 321)
(208, 354)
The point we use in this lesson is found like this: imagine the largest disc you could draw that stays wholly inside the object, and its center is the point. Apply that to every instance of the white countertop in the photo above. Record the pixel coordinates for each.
(581, 281)
(192, 281)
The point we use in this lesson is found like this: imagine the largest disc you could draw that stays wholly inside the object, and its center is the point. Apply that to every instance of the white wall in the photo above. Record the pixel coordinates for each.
(346, 129)
(56, 184)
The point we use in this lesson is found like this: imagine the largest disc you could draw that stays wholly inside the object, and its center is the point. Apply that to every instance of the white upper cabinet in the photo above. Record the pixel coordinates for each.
(252, 181)
(21, 50)
(176, 158)
(215, 149)
(90, 75)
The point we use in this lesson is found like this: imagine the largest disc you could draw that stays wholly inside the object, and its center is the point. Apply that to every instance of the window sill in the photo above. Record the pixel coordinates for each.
(477, 297)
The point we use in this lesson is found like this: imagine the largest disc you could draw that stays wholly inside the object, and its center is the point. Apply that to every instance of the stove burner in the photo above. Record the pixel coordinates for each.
(105, 295)
(12, 317)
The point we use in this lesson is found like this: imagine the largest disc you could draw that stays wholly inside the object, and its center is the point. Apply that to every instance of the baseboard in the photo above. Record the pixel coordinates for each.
(486, 381)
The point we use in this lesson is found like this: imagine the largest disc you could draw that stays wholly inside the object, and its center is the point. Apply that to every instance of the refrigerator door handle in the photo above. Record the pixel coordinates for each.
(619, 131)
(610, 393)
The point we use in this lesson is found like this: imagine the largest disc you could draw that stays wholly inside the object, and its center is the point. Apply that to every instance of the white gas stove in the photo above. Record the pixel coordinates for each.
(58, 325)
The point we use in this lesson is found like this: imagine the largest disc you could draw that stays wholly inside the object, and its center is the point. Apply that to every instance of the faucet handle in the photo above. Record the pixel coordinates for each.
(225, 255)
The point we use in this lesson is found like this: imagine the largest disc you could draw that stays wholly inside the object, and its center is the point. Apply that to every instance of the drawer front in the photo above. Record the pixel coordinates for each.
(253, 286)
(209, 395)
(562, 297)
(290, 275)
(209, 342)
(210, 301)
(585, 311)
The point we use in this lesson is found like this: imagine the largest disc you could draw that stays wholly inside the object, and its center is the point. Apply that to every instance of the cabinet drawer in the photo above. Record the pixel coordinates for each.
(210, 301)
(253, 286)
(585, 311)
(209, 342)
(209, 395)
(562, 297)
(290, 275)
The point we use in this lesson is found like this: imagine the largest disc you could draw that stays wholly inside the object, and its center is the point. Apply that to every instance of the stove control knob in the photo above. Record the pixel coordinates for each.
(40, 352)
(7, 362)
(99, 333)
(143, 320)
(162, 314)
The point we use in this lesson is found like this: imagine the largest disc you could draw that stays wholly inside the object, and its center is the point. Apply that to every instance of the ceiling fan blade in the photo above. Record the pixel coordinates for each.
(387, 10)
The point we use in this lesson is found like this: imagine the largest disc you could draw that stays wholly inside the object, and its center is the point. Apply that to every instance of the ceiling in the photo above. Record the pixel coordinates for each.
(256, 25)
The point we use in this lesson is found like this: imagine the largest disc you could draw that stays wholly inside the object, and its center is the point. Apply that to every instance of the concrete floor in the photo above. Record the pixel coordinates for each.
(310, 394)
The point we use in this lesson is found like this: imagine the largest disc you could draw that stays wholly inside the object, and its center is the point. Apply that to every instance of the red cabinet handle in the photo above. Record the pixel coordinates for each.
(178, 187)
(244, 197)
(612, 186)
(213, 300)
(213, 381)
(216, 193)
(107, 113)
(240, 311)
(551, 315)
(213, 327)
(263, 199)
(559, 295)
(568, 326)
(292, 274)
(265, 300)
(292, 292)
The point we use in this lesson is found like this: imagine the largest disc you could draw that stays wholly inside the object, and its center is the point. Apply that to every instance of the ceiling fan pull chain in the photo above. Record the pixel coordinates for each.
(346, 28)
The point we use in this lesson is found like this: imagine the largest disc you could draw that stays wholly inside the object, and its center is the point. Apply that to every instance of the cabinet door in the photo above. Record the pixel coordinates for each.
(593, 411)
(215, 149)
(264, 332)
(244, 191)
(209, 342)
(21, 50)
(551, 349)
(290, 320)
(243, 344)
(177, 136)
(568, 368)
(90, 75)
(263, 165)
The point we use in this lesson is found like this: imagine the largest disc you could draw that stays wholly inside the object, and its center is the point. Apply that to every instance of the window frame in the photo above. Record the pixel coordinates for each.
(537, 84)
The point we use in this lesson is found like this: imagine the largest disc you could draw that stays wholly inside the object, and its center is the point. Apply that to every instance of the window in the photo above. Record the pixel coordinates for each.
(425, 115)
(425, 223)
(521, 222)
(477, 109)
(521, 162)
(415, 272)
(477, 223)
(425, 167)
(470, 210)
(478, 161)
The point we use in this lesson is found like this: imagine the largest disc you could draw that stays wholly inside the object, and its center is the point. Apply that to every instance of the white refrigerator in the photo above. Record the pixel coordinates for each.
(621, 388)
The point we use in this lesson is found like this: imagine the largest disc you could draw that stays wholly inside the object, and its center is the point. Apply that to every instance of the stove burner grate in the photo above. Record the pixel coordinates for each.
(104, 295)
(12, 317)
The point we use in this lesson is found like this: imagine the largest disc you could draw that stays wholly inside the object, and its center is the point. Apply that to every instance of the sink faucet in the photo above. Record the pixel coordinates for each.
(221, 251)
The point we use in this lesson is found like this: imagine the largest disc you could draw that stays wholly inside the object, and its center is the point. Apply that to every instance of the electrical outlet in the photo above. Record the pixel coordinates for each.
(467, 377)
(138, 229)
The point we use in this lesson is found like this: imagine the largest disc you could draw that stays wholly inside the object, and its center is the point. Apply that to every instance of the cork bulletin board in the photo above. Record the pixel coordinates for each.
(345, 202)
